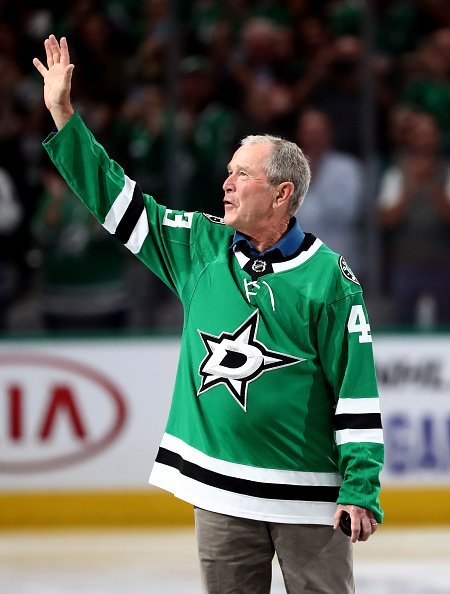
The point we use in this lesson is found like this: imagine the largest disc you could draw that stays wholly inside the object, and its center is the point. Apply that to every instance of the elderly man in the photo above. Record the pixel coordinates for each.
(274, 430)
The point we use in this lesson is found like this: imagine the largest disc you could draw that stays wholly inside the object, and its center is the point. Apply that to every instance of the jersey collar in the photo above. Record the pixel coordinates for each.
(274, 262)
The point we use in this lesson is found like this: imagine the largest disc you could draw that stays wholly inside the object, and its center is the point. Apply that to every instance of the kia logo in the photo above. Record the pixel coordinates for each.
(54, 412)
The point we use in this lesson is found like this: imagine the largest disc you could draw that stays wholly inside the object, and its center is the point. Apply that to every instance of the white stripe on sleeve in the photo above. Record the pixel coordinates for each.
(119, 206)
(359, 436)
(138, 234)
(358, 406)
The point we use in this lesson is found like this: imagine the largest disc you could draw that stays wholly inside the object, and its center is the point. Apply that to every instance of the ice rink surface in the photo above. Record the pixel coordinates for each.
(403, 561)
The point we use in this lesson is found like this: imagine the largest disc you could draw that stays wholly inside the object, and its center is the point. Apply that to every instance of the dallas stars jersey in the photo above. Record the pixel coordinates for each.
(275, 413)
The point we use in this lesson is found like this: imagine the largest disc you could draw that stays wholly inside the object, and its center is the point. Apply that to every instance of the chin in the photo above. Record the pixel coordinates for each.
(228, 219)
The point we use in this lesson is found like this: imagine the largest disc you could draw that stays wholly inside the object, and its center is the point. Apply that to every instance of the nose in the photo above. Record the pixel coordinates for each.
(228, 184)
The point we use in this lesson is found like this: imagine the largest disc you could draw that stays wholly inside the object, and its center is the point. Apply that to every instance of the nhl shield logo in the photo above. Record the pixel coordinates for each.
(347, 271)
(259, 266)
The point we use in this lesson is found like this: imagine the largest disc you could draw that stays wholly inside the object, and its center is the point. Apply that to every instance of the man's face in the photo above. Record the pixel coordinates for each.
(249, 198)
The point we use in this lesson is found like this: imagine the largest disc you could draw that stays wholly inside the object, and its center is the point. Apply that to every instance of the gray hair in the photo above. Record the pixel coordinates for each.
(286, 162)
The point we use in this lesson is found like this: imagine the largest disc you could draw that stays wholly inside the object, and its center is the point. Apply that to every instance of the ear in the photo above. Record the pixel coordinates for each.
(283, 194)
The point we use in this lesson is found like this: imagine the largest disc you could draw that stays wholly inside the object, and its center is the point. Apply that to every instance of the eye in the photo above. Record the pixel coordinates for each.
(243, 173)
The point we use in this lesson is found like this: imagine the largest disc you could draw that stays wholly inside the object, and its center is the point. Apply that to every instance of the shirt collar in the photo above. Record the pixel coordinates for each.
(287, 246)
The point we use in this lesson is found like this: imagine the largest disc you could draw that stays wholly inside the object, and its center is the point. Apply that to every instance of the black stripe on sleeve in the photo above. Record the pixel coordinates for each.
(358, 421)
(244, 486)
(131, 216)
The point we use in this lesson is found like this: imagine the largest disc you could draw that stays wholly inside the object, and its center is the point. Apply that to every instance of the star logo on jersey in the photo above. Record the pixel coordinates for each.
(237, 359)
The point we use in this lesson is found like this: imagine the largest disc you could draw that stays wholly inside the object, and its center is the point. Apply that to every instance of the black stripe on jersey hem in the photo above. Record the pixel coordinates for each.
(130, 218)
(358, 421)
(244, 486)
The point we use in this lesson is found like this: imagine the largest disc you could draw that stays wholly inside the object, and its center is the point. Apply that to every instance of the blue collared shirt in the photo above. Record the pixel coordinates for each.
(287, 246)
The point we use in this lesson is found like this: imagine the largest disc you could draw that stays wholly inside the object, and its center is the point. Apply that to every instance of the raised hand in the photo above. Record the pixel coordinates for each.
(57, 80)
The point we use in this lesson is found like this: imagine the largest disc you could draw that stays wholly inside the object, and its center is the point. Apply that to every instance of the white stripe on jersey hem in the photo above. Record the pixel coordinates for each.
(302, 257)
(359, 436)
(138, 234)
(242, 506)
(119, 206)
(252, 473)
(357, 406)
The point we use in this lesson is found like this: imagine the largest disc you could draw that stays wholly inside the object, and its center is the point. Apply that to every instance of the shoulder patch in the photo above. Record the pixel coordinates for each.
(347, 271)
(214, 219)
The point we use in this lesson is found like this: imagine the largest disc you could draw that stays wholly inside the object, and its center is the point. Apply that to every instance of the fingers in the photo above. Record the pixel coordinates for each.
(55, 49)
(356, 529)
(55, 54)
(68, 74)
(65, 57)
(355, 521)
(49, 53)
(368, 527)
(40, 67)
(363, 523)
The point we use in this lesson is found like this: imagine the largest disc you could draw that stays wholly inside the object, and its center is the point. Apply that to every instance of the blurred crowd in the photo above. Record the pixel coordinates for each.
(170, 87)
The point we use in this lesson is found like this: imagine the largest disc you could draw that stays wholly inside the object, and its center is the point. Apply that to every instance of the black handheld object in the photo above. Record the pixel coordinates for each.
(346, 524)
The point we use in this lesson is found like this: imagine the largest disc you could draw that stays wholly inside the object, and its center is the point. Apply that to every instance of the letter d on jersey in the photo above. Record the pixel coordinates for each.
(233, 360)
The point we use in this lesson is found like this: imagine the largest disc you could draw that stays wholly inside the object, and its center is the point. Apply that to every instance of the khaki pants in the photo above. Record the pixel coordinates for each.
(236, 556)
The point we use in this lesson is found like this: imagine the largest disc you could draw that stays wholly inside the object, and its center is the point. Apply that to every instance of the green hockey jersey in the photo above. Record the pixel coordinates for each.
(275, 413)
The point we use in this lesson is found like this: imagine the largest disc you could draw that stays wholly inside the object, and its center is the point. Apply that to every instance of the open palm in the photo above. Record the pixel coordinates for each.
(57, 75)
